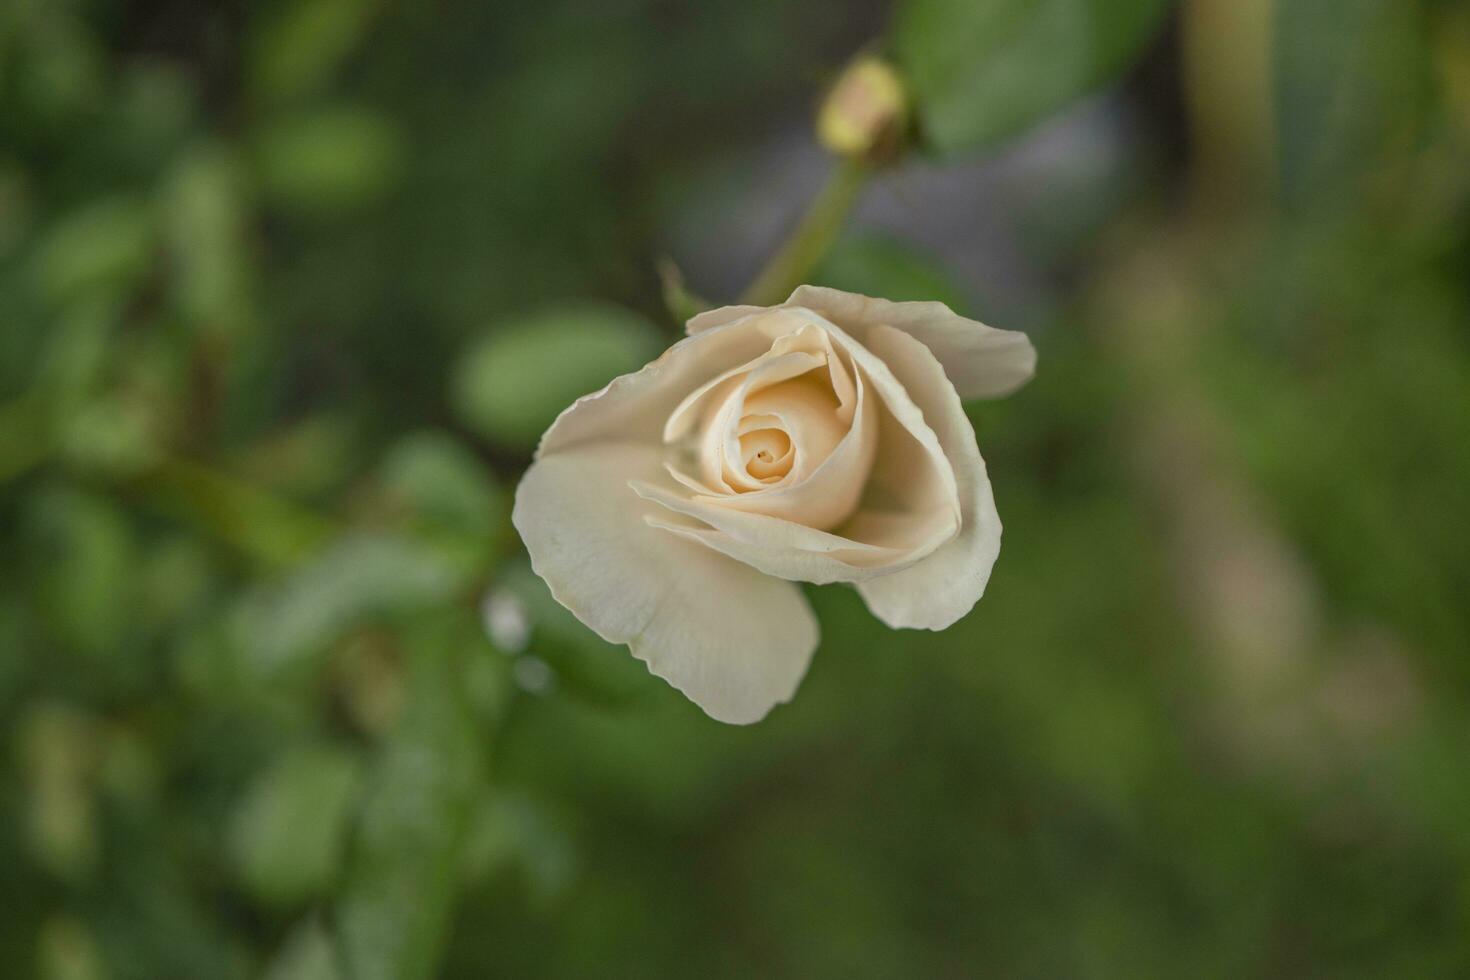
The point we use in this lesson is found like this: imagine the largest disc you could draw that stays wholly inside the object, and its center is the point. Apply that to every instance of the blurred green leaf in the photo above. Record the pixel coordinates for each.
(84, 555)
(1351, 90)
(308, 458)
(307, 955)
(297, 50)
(61, 74)
(110, 434)
(102, 248)
(24, 437)
(154, 108)
(75, 361)
(67, 950)
(982, 70)
(206, 208)
(510, 385)
(17, 207)
(439, 480)
(16, 642)
(329, 160)
(393, 915)
(287, 836)
(360, 578)
(514, 831)
(57, 742)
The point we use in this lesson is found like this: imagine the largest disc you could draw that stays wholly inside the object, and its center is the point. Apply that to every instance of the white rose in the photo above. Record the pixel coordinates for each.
(817, 441)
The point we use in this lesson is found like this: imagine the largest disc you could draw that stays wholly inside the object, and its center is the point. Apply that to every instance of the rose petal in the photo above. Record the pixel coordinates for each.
(720, 452)
(709, 319)
(805, 411)
(911, 474)
(934, 593)
(980, 361)
(910, 506)
(734, 640)
(754, 527)
(691, 409)
(635, 407)
(777, 547)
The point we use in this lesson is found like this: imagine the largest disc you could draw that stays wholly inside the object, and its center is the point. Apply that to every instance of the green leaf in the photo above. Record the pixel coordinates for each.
(513, 382)
(1351, 89)
(983, 70)
(393, 916)
(207, 228)
(299, 50)
(287, 837)
(439, 480)
(82, 348)
(361, 577)
(307, 955)
(515, 831)
(329, 160)
(57, 744)
(110, 434)
(86, 555)
(102, 249)
(67, 950)
(17, 640)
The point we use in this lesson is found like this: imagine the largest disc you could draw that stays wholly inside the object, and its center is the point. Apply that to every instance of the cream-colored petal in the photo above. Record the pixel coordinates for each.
(777, 547)
(635, 407)
(980, 361)
(709, 319)
(806, 411)
(909, 500)
(935, 592)
(828, 480)
(734, 640)
(788, 349)
(720, 449)
(911, 471)
(781, 562)
(766, 451)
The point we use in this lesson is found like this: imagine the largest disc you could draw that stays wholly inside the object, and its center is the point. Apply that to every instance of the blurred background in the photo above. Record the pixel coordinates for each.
(288, 290)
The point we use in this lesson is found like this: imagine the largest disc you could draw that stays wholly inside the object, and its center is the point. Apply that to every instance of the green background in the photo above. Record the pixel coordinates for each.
(289, 289)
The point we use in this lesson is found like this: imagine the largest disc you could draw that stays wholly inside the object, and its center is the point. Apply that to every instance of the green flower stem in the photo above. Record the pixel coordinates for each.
(799, 255)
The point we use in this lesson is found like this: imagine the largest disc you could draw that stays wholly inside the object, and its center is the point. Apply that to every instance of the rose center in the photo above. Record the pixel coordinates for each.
(767, 454)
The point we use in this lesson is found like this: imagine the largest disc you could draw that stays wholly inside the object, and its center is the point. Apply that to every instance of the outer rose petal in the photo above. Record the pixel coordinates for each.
(701, 322)
(981, 361)
(935, 592)
(635, 407)
(734, 640)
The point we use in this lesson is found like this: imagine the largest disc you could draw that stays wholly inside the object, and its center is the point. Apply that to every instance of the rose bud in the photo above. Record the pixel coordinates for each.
(865, 114)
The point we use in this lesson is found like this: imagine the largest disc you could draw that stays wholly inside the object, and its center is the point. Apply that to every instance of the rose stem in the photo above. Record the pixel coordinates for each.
(810, 240)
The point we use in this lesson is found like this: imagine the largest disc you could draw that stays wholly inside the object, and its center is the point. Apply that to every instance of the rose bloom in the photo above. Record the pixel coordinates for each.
(821, 440)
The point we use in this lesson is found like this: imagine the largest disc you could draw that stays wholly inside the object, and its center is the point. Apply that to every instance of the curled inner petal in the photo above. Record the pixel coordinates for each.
(776, 461)
(767, 453)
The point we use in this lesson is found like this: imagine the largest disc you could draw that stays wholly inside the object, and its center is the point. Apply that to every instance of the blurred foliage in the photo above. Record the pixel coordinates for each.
(982, 70)
(288, 291)
(512, 384)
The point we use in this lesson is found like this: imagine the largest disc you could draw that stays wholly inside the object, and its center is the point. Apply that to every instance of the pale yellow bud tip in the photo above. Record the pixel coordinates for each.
(865, 113)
